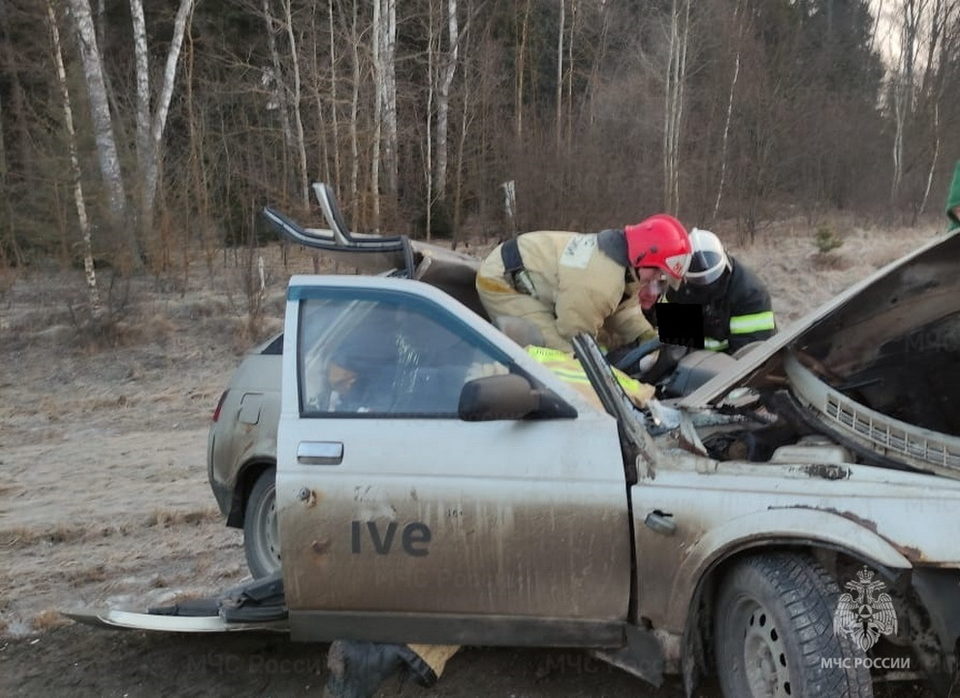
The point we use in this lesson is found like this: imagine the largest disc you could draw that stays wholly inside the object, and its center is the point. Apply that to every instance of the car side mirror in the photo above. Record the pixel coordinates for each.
(506, 396)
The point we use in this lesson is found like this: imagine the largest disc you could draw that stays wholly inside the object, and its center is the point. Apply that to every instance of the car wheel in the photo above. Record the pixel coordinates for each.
(261, 541)
(773, 624)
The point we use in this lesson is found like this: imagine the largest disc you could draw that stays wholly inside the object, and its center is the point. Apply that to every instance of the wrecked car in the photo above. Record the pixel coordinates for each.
(784, 525)
(241, 448)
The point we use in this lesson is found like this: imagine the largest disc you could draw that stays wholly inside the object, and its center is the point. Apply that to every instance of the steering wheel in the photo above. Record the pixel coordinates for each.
(626, 358)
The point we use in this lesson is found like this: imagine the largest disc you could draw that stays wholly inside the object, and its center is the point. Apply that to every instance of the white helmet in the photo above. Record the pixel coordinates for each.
(708, 261)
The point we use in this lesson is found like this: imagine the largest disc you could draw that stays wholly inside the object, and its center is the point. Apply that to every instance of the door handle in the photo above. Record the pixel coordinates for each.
(320, 453)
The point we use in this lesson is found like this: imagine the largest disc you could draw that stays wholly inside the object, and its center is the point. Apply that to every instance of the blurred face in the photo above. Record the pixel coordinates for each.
(956, 211)
(653, 283)
(341, 379)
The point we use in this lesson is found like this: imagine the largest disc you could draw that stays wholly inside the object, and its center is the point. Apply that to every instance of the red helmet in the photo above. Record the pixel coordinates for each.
(660, 241)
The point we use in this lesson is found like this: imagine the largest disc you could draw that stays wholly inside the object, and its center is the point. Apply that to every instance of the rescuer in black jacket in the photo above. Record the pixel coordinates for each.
(736, 304)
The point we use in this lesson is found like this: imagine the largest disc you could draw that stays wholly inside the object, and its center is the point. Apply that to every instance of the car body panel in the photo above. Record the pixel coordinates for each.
(717, 509)
(499, 518)
(457, 629)
(724, 508)
(245, 434)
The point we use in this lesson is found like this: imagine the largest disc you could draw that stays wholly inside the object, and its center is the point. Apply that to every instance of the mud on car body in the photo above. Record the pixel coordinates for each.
(481, 500)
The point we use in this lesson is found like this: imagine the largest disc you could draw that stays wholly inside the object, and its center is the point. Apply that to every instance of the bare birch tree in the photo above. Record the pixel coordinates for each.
(520, 62)
(903, 87)
(944, 20)
(297, 118)
(432, 40)
(354, 109)
(448, 71)
(86, 245)
(142, 71)
(678, 40)
(276, 80)
(316, 84)
(388, 62)
(384, 41)
(150, 158)
(465, 119)
(559, 99)
(379, 29)
(107, 155)
(739, 23)
(574, 6)
(598, 59)
(333, 101)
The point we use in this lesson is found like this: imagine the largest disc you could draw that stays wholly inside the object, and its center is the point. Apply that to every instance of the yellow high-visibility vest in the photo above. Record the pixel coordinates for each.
(569, 369)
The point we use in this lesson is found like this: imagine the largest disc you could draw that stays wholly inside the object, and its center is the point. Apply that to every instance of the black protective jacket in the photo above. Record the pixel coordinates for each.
(736, 309)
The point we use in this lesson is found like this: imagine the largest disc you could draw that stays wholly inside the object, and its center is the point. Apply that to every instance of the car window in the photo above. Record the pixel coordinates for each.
(387, 355)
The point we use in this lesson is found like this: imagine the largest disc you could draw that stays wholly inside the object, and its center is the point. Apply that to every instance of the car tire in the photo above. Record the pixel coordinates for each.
(773, 623)
(261, 540)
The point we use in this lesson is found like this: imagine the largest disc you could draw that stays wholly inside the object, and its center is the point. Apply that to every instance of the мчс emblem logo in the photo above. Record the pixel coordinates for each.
(867, 613)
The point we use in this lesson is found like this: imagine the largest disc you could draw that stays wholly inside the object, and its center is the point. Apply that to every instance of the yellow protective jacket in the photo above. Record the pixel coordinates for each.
(586, 289)
(569, 369)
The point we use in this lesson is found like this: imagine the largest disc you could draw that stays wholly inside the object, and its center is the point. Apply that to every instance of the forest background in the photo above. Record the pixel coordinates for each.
(138, 135)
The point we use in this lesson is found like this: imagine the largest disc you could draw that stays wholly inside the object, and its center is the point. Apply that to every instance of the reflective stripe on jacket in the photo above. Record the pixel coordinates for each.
(737, 312)
(569, 370)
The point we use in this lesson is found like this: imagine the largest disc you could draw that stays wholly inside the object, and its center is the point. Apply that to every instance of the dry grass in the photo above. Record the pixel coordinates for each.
(800, 278)
(831, 260)
(88, 575)
(54, 312)
(229, 572)
(165, 518)
(24, 537)
(182, 596)
(93, 334)
(49, 619)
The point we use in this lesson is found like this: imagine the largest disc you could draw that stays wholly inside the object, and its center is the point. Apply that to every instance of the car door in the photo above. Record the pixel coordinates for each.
(400, 521)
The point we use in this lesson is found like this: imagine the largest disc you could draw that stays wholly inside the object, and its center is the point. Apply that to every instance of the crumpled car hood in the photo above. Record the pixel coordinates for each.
(874, 369)
(931, 269)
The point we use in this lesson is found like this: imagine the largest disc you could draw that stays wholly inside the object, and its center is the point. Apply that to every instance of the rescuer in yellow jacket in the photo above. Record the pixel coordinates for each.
(566, 283)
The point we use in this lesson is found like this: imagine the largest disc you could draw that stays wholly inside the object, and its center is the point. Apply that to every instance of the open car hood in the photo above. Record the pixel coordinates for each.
(875, 366)
(919, 272)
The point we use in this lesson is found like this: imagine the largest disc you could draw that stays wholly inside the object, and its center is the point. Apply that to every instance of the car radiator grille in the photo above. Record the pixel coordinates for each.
(911, 445)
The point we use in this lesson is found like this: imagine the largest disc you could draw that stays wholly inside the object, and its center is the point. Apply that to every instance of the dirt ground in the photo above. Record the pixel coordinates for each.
(103, 488)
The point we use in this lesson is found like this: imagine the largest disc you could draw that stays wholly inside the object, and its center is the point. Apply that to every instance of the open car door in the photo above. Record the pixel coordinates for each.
(435, 483)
